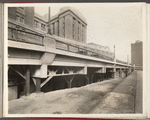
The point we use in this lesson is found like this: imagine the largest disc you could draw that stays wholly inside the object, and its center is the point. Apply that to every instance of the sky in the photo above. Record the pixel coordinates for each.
(107, 24)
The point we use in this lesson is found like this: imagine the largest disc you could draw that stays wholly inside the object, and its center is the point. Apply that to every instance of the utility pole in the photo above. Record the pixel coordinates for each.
(49, 22)
(114, 51)
(128, 59)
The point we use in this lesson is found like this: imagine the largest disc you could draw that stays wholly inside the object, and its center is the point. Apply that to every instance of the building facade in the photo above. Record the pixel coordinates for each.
(106, 50)
(137, 53)
(69, 23)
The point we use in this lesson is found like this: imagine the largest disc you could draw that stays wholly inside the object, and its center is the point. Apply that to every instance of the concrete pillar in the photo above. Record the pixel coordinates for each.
(38, 85)
(114, 73)
(91, 76)
(102, 76)
(121, 74)
(69, 84)
(27, 82)
(88, 78)
(69, 81)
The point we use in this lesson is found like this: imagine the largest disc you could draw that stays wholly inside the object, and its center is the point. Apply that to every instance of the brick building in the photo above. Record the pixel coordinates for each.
(137, 53)
(68, 23)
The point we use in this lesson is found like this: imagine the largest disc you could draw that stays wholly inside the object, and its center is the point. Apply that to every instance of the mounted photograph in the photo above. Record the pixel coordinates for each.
(74, 60)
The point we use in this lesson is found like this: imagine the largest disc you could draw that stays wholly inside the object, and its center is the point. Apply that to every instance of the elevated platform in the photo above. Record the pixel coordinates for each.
(42, 57)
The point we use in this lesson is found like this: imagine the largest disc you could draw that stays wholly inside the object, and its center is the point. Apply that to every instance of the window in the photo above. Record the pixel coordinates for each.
(63, 26)
(35, 23)
(82, 33)
(78, 31)
(18, 18)
(22, 19)
(73, 28)
(53, 28)
(42, 26)
(58, 27)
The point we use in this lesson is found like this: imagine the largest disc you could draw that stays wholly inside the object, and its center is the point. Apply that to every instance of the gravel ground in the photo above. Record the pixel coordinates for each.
(68, 101)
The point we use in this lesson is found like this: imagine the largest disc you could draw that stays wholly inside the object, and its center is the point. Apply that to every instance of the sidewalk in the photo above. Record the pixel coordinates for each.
(121, 99)
(96, 98)
(139, 93)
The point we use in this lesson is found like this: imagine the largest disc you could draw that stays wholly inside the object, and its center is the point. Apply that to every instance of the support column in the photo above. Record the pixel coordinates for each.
(69, 84)
(126, 72)
(69, 80)
(92, 75)
(120, 73)
(101, 77)
(27, 82)
(88, 79)
(38, 85)
(114, 73)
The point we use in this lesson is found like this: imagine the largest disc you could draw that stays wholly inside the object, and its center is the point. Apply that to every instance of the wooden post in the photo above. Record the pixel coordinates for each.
(38, 85)
(27, 82)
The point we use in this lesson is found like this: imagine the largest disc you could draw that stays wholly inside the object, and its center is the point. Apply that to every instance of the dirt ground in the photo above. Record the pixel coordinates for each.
(107, 97)
(80, 100)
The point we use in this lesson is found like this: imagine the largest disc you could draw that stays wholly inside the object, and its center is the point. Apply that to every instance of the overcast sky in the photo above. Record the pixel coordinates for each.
(107, 24)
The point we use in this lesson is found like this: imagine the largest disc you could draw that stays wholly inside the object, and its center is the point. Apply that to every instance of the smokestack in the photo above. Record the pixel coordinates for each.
(49, 23)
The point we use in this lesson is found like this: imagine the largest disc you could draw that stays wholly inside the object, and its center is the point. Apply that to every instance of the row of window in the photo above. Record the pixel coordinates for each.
(79, 30)
(38, 24)
(19, 19)
(20, 14)
(53, 28)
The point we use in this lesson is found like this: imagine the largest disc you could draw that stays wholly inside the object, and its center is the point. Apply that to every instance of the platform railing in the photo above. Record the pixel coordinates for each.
(82, 50)
(119, 61)
(22, 33)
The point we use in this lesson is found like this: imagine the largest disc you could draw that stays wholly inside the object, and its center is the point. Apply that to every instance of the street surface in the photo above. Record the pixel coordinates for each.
(110, 96)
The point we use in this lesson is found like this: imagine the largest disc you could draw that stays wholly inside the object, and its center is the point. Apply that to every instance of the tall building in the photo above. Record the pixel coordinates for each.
(137, 53)
(69, 23)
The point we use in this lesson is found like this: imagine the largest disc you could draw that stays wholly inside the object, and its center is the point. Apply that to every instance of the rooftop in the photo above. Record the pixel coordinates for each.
(75, 11)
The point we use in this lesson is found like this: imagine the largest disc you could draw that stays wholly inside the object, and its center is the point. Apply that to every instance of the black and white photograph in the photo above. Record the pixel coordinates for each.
(74, 59)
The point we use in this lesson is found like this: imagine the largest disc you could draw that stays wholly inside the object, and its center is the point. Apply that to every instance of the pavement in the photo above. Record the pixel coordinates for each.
(109, 96)
(125, 98)
(139, 93)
